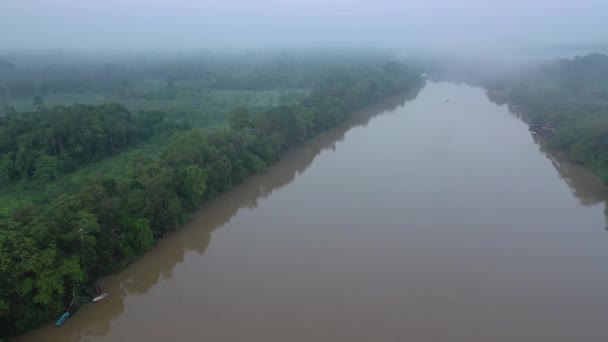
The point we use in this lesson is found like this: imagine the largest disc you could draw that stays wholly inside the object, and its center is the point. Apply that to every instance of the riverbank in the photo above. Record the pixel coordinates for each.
(564, 101)
(112, 222)
(195, 236)
(378, 230)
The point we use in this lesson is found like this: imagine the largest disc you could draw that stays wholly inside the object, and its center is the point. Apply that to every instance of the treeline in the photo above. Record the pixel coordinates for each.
(25, 77)
(567, 99)
(46, 250)
(49, 142)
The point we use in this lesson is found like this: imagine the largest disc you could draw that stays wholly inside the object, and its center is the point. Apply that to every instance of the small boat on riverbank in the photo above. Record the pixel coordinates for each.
(542, 130)
(101, 297)
(62, 319)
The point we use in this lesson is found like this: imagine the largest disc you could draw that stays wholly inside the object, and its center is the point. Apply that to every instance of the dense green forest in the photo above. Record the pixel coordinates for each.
(52, 141)
(565, 101)
(53, 247)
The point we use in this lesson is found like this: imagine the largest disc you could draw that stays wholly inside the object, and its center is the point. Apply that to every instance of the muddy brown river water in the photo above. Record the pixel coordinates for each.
(419, 220)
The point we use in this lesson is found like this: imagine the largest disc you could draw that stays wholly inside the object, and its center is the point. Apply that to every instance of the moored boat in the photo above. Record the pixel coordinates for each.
(62, 319)
(101, 297)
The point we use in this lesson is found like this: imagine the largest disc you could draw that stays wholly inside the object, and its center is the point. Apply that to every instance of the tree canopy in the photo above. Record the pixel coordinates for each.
(48, 248)
(570, 98)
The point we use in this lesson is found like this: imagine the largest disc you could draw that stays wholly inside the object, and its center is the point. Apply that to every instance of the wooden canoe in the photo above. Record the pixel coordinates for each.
(101, 297)
(62, 319)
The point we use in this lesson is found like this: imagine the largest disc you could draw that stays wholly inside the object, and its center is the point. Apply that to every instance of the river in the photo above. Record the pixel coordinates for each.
(437, 218)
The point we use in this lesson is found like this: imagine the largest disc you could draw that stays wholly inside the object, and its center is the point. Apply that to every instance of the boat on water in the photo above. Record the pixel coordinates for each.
(62, 319)
(66, 314)
(101, 297)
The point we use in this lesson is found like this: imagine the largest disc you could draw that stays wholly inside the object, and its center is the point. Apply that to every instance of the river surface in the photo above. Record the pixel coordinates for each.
(437, 218)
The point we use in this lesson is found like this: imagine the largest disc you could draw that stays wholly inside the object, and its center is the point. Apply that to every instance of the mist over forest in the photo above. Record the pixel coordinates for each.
(467, 27)
(119, 118)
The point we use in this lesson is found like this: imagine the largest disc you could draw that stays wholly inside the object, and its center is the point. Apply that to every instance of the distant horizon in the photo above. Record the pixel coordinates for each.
(93, 55)
(474, 26)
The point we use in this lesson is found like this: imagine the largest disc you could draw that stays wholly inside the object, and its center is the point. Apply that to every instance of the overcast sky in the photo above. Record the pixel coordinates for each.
(200, 24)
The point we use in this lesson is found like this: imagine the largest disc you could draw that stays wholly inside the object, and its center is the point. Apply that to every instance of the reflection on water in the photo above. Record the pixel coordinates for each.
(585, 186)
(419, 227)
(157, 265)
(95, 319)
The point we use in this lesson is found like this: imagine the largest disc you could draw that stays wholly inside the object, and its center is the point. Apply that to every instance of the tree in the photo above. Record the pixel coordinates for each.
(47, 168)
(23, 162)
(7, 168)
(139, 235)
(239, 119)
(100, 223)
(38, 101)
(154, 195)
(193, 183)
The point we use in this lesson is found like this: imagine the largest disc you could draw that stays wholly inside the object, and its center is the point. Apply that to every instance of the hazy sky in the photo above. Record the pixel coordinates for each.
(196, 24)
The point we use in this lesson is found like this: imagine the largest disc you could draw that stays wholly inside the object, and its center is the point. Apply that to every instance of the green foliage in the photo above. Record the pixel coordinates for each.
(52, 141)
(239, 119)
(107, 220)
(139, 236)
(571, 97)
(46, 168)
(192, 185)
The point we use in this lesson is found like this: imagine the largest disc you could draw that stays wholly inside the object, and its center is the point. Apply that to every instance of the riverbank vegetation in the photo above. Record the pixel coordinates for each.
(105, 181)
(565, 101)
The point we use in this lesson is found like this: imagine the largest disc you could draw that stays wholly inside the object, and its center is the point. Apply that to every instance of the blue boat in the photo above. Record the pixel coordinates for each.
(62, 319)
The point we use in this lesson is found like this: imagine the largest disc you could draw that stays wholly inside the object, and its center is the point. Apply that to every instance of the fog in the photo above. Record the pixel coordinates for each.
(468, 25)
